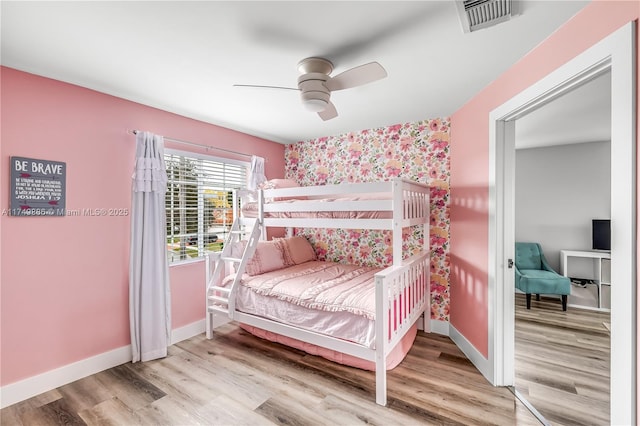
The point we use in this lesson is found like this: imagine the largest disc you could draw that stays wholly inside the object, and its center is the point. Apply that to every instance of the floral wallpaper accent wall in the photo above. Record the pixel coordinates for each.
(417, 151)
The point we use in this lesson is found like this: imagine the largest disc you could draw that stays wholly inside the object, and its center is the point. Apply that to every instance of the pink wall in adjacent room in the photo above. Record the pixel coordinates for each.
(65, 279)
(470, 157)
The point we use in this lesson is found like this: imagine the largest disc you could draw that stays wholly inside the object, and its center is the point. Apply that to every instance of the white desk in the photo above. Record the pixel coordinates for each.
(602, 269)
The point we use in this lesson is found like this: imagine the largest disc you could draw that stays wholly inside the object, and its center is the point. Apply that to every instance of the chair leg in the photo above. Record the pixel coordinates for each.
(564, 302)
(538, 297)
(528, 300)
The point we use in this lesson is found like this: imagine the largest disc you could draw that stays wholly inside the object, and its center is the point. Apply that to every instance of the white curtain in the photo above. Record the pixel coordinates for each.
(256, 174)
(149, 290)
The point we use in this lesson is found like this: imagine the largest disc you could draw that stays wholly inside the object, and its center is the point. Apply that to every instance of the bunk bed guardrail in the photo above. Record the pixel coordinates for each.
(402, 296)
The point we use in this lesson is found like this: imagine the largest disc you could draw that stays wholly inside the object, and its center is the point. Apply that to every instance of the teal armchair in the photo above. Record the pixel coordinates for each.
(535, 276)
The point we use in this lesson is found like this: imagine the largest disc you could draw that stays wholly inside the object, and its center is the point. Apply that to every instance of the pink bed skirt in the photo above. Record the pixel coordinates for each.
(395, 357)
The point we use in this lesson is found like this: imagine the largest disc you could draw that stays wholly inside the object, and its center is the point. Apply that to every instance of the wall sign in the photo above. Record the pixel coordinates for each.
(37, 187)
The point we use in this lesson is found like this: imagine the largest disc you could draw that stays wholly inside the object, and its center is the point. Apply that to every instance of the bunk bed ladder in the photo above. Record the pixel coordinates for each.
(219, 299)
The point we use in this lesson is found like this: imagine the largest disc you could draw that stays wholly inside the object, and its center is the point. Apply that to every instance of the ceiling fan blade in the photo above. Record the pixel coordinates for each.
(357, 76)
(266, 87)
(329, 112)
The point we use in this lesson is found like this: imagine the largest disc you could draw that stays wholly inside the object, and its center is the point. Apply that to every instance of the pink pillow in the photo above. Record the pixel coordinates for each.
(267, 257)
(279, 183)
(237, 249)
(282, 183)
(297, 250)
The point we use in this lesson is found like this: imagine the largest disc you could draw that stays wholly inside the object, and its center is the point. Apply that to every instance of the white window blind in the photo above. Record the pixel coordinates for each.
(199, 202)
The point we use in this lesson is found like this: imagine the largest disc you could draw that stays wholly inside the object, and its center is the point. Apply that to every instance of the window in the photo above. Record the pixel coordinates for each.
(200, 202)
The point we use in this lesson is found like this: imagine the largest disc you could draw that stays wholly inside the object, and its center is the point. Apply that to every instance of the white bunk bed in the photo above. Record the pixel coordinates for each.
(402, 291)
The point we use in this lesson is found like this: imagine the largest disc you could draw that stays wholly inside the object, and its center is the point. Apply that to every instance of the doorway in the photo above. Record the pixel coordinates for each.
(562, 358)
(614, 54)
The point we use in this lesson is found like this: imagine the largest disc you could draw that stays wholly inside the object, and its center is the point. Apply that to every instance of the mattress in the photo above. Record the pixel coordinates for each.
(325, 297)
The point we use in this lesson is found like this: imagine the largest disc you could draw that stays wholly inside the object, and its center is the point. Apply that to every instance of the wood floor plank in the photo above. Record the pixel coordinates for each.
(266, 365)
(111, 412)
(584, 411)
(131, 388)
(85, 393)
(345, 409)
(272, 365)
(599, 392)
(168, 411)
(191, 382)
(281, 411)
(227, 411)
(60, 413)
(46, 397)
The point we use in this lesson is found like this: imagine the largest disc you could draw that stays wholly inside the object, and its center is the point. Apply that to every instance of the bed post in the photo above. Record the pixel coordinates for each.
(382, 331)
(209, 320)
(398, 218)
(263, 233)
(426, 316)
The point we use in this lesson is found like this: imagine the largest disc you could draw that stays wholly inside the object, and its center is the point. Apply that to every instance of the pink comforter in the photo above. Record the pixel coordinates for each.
(318, 285)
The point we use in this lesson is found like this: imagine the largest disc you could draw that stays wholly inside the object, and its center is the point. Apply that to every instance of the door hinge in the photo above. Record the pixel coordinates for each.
(510, 263)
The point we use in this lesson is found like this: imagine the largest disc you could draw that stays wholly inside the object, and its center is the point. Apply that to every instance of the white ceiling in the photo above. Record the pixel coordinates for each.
(581, 116)
(184, 57)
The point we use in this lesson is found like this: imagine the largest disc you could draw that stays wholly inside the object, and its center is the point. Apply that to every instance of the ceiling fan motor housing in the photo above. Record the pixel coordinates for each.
(315, 83)
(313, 91)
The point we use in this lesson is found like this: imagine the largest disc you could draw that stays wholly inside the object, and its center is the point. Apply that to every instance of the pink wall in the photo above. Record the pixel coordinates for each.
(65, 279)
(469, 157)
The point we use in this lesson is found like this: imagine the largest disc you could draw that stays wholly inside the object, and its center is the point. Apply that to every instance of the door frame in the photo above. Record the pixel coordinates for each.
(615, 53)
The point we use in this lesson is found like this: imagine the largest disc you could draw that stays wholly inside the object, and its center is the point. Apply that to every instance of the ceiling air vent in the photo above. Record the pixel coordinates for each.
(478, 14)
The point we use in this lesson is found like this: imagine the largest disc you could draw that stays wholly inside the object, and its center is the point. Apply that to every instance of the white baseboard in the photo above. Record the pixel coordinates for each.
(187, 331)
(440, 327)
(437, 326)
(476, 358)
(35, 385)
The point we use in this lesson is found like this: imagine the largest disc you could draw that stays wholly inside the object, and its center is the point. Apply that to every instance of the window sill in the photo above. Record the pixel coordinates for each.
(213, 255)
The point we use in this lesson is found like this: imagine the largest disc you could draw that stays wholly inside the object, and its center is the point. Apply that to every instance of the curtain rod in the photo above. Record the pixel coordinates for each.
(208, 147)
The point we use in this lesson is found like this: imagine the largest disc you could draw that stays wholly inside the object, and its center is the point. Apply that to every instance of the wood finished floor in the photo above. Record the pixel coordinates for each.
(238, 379)
(562, 368)
(563, 361)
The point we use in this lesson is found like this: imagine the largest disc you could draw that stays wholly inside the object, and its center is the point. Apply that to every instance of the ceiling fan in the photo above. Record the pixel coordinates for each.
(315, 83)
